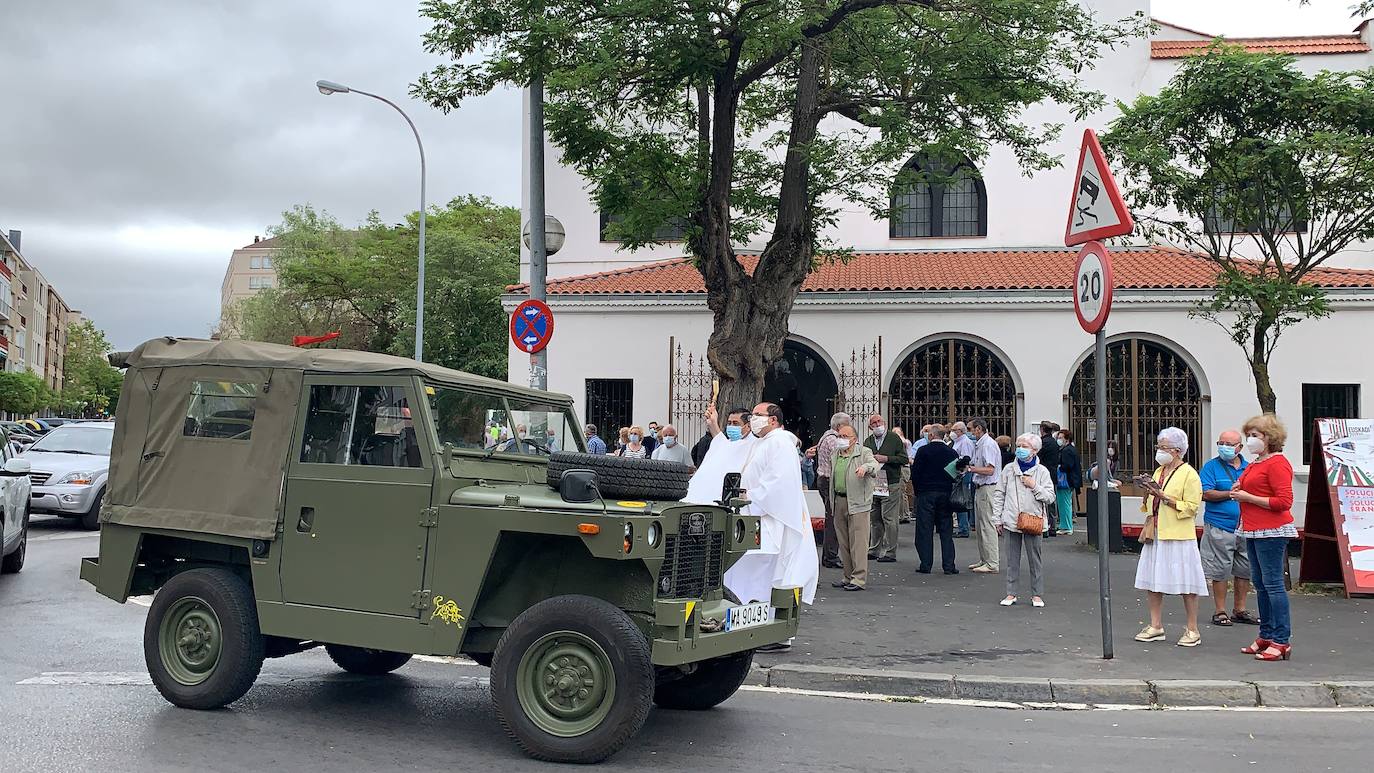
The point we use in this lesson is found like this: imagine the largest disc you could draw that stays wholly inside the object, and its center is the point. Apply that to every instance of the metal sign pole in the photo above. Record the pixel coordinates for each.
(539, 257)
(1104, 580)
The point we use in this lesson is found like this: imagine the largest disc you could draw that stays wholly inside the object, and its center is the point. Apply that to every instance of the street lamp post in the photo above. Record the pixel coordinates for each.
(329, 87)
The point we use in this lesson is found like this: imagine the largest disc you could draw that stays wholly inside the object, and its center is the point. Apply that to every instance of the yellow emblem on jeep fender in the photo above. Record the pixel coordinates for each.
(448, 611)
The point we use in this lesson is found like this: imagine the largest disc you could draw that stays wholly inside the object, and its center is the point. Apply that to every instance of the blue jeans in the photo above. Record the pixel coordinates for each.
(965, 519)
(1267, 557)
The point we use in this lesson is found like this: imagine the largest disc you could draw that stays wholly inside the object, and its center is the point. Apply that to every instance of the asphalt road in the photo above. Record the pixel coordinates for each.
(74, 696)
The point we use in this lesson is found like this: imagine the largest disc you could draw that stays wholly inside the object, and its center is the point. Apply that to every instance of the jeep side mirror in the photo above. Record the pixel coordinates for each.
(578, 486)
(15, 468)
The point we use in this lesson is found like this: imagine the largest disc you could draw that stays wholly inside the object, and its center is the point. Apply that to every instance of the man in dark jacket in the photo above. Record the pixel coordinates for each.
(890, 452)
(1049, 457)
(933, 513)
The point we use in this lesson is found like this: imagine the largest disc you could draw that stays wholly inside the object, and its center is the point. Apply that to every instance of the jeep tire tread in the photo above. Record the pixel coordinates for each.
(12, 563)
(713, 682)
(229, 599)
(552, 641)
(359, 660)
(625, 478)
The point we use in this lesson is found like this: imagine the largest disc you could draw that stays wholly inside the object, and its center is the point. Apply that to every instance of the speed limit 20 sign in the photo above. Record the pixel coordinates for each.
(1092, 287)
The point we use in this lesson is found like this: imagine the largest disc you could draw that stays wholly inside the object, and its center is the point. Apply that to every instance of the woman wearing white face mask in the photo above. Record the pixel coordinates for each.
(1265, 494)
(635, 449)
(1170, 562)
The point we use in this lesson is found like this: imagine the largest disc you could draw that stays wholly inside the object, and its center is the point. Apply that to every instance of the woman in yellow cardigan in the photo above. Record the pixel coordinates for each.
(1171, 563)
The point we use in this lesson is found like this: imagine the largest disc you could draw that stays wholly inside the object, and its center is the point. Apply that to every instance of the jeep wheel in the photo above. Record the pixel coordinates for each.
(572, 680)
(201, 640)
(359, 660)
(13, 562)
(710, 685)
(625, 478)
(90, 520)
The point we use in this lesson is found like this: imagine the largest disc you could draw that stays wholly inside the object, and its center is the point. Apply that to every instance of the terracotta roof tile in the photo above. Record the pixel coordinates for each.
(1159, 268)
(1313, 44)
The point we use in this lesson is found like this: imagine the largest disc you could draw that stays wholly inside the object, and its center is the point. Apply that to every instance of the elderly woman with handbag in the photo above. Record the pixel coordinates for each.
(1170, 562)
(1025, 490)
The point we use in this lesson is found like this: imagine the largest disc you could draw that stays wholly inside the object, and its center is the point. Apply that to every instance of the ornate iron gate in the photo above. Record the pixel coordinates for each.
(953, 380)
(860, 382)
(1149, 387)
(689, 391)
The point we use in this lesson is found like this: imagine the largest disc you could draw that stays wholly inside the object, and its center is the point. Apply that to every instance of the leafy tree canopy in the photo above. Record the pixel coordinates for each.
(90, 386)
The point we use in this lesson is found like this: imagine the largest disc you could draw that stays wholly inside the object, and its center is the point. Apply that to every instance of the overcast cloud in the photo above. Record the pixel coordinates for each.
(142, 141)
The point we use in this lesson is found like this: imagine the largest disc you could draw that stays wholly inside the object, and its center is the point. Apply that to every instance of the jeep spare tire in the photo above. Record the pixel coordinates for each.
(625, 478)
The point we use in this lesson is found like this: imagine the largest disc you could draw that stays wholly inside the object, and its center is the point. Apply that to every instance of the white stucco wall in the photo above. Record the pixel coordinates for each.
(1022, 211)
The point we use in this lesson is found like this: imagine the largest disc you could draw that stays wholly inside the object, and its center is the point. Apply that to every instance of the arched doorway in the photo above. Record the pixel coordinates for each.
(803, 386)
(952, 379)
(1150, 386)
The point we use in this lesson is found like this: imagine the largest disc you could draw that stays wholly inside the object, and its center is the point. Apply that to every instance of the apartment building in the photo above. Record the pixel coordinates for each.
(34, 318)
(251, 269)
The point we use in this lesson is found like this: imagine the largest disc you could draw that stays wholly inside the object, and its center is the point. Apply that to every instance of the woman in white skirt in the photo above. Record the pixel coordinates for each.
(1169, 561)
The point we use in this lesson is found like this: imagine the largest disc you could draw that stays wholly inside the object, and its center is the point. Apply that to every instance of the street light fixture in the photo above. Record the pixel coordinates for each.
(330, 87)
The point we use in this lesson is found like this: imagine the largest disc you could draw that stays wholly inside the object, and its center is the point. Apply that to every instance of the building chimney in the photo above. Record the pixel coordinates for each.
(14, 239)
(256, 239)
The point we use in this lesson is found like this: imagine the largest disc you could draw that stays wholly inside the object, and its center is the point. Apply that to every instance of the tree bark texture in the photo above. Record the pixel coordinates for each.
(1259, 367)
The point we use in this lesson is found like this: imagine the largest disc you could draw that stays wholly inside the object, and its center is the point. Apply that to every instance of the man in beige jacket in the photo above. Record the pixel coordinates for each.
(851, 500)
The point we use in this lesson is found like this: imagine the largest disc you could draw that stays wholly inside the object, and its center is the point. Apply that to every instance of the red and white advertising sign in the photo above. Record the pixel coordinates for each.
(1092, 287)
(1096, 210)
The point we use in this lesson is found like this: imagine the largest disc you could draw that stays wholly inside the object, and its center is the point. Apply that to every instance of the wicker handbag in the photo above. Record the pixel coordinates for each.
(1028, 523)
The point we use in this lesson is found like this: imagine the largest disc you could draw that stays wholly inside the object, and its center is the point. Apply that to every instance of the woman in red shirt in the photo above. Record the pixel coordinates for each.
(1265, 494)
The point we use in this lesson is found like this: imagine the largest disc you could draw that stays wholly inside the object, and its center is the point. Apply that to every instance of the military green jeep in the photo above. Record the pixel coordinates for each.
(278, 499)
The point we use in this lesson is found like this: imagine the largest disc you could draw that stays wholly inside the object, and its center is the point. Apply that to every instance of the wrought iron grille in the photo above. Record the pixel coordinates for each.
(691, 562)
(1149, 387)
(861, 384)
(689, 392)
(610, 405)
(952, 380)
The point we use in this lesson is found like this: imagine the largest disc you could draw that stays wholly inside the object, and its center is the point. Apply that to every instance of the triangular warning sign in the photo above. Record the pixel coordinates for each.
(1096, 210)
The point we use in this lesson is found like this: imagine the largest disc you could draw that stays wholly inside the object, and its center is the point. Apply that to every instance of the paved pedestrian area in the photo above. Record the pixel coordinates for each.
(953, 625)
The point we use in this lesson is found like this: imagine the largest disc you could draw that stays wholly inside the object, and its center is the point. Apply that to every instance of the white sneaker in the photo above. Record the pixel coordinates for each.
(975, 566)
(1008, 601)
(1037, 602)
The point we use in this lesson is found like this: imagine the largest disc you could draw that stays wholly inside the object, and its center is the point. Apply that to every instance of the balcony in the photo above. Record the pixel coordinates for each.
(5, 270)
(5, 309)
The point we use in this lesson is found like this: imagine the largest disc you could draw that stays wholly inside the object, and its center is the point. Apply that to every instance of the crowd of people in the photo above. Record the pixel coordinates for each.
(1009, 495)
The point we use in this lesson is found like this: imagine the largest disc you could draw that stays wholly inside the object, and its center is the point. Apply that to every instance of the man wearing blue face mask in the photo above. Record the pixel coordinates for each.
(1224, 557)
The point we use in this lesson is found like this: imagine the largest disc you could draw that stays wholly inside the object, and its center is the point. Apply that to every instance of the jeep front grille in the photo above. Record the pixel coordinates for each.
(691, 562)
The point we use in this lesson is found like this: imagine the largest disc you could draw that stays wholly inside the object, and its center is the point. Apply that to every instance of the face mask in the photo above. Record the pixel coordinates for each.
(1163, 457)
(1111, 453)
(842, 444)
(653, 433)
(634, 437)
(734, 433)
(1024, 454)
(1227, 453)
(1061, 441)
(879, 431)
(1254, 445)
(670, 440)
(758, 424)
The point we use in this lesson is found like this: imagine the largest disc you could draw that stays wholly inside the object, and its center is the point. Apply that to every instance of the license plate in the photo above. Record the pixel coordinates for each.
(696, 525)
(749, 615)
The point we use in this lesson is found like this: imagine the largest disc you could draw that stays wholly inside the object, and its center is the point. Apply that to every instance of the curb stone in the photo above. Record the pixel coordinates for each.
(1354, 693)
(1116, 692)
(907, 684)
(1009, 689)
(1296, 695)
(1204, 692)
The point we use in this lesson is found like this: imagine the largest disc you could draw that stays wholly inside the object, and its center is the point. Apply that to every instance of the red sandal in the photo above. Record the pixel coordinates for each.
(1274, 652)
(1259, 646)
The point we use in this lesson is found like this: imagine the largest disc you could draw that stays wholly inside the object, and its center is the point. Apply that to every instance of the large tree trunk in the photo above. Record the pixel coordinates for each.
(751, 312)
(1259, 367)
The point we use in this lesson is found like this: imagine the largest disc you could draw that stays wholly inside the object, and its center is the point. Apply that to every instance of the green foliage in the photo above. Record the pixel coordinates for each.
(1263, 169)
(23, 393)
(90, 386)
(361, 282)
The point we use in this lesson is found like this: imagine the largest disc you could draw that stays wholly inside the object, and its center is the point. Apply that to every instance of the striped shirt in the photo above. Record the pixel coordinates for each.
(825, 454)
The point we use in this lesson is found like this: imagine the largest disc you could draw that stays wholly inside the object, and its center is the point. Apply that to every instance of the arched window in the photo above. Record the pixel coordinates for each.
(953, 380)
(935, 198)
(1149, 387)
(1257, 194)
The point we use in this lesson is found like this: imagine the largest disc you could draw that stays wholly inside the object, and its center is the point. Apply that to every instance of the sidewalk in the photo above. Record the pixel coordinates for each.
(952, 625)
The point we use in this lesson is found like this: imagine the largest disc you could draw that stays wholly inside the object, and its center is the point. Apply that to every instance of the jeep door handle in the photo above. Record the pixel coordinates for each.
(306, 524)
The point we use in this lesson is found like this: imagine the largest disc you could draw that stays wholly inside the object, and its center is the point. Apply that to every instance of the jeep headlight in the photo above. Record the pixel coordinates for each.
(739, 531)
(629, 536)
(655, 534)
(76, 479)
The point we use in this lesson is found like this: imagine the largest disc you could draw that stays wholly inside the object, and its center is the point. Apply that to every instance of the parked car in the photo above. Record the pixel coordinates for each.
(14, 508)
(69, 468)
(56, 421)
(20, 437)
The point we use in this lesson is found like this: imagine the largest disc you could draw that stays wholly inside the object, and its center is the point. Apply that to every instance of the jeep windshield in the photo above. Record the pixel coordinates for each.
(495, 424)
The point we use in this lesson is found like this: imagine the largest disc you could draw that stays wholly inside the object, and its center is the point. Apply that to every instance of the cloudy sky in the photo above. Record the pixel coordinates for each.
(141, 141)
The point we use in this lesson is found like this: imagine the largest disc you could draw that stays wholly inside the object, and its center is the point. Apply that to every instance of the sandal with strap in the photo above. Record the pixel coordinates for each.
(1221, 618)
(1275, 652)
(1259, 646)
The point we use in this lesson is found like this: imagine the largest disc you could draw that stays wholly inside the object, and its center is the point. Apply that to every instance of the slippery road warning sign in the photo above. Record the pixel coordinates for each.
(1096, 210)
